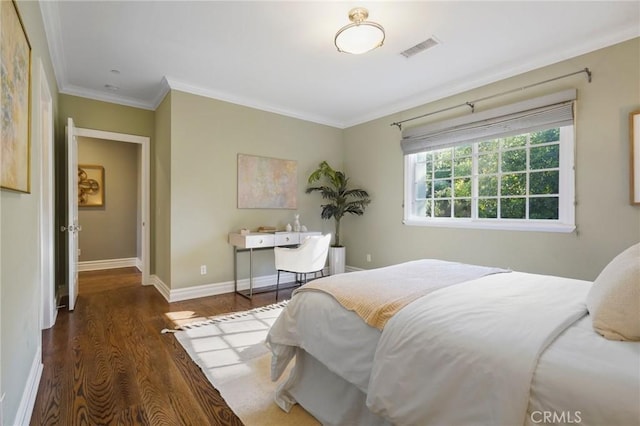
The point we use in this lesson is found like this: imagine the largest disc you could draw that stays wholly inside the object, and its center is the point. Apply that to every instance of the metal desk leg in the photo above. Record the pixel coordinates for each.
(250, 273)
(235, 269)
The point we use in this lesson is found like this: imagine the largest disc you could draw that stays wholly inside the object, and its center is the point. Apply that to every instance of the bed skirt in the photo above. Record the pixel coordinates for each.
(325, 395)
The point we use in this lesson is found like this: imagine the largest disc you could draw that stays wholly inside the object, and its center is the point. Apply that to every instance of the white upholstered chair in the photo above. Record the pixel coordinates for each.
(309, 257)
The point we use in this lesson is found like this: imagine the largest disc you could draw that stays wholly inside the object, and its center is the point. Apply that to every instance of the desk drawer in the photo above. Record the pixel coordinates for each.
(259, 240)
(252, 240)
(287, 238)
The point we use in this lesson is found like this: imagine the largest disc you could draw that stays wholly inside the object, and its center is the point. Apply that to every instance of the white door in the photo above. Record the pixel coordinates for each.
(72, 216)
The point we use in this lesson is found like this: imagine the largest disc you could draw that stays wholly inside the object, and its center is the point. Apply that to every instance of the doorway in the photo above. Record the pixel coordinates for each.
(109, 204)
(143, 183)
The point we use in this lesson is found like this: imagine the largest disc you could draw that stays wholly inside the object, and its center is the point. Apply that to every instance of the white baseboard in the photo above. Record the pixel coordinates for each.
(213, 289)
(352, 269)
(98, 265)
(162, 288)
(28, 400)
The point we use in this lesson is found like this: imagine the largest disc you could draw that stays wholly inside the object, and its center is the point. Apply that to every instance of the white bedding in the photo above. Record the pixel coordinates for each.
(579, 374)
(583, 374)
(477, 345)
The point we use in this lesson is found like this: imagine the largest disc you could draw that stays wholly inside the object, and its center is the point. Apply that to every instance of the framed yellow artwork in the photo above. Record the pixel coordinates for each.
(15, 50)
(90, 186)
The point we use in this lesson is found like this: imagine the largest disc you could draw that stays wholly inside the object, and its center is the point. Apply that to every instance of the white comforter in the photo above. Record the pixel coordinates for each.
(466, 354)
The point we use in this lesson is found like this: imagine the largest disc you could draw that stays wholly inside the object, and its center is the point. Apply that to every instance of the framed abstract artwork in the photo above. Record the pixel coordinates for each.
(15, 173)
(90, 186)
(634, 139)
(267, 183)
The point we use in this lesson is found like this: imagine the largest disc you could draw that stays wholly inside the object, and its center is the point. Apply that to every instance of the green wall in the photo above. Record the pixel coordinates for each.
(206, 137)
(606, 222)
(98, 115)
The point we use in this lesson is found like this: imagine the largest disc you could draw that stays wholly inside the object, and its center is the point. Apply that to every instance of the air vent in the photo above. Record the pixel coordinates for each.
(420, 47)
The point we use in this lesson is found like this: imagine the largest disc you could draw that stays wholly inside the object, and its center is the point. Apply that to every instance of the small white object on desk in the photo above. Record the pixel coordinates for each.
(244, 231)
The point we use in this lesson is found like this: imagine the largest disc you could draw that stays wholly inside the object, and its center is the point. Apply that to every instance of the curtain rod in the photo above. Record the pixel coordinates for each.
(472, 104)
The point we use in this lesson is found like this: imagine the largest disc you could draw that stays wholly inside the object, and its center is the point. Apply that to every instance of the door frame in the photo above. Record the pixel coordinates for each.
(145, 192)
(47, 213)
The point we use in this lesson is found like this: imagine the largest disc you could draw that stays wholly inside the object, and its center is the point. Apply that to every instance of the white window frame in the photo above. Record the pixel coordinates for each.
(566, 208)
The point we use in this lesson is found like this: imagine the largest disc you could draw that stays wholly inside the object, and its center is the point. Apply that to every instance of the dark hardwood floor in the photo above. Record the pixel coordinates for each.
(107, 363)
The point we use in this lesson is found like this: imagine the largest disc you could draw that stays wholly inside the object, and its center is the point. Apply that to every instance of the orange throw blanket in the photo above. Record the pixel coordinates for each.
(377, 294)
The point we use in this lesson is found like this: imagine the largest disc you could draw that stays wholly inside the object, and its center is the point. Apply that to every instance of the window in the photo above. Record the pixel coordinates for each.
(518, 180)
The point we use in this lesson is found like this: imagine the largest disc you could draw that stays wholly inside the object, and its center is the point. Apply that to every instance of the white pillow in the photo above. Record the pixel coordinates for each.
(614, 299)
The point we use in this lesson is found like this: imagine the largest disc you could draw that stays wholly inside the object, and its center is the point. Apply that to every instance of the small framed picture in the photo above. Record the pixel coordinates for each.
(90, 186)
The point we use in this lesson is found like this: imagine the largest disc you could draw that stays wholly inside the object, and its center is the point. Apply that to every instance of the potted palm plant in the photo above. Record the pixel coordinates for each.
(340, 201)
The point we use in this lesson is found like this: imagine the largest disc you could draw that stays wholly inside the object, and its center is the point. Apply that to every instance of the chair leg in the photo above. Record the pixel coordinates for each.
(277, 285)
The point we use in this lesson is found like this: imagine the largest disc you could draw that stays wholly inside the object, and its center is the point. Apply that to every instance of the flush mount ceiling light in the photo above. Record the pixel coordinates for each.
(361, 35)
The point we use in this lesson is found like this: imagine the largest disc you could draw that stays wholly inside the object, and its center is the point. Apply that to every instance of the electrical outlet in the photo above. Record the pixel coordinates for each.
(368, 257)
(203, 269)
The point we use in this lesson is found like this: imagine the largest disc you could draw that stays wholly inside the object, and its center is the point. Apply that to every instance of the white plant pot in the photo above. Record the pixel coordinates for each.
(336, 260)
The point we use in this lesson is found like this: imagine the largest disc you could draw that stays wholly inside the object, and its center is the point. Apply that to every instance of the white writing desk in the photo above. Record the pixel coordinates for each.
(260, 241)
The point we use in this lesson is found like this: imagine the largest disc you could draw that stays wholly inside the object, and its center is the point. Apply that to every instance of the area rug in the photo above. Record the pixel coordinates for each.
(231, 352)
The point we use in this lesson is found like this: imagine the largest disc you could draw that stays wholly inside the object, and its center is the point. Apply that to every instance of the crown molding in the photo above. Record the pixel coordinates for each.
(105, 97)
(248, 102)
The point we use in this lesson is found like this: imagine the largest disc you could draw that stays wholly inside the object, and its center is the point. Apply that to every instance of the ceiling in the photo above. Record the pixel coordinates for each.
(280, 57)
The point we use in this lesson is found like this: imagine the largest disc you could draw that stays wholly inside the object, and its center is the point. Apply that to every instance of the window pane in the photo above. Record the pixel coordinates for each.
(544, 182)
(488, 146)
(488, 163)
(421, 170)
(545, 157)
(442, 163)
(512, 208)
(513, 184)
(442, 208)
(421, 157)
(488, 186)
(513, 141)
(488, 208)
(462, 208)
(462, 166)
(421, 189)
(463, 150)
(428, 188)
(428, 208)
(419, 207)
(442, 188)
(514, 161)
(551, 135)
(543, 208)
(462, 187)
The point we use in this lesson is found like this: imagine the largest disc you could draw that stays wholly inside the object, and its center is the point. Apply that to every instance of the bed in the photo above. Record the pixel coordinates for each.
(474, 345)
